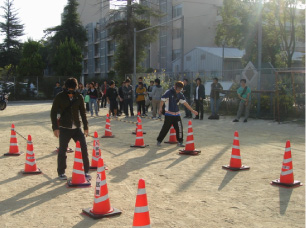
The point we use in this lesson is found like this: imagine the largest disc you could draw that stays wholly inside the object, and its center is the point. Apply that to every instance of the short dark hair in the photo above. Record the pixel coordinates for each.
(140, 83)
(152, 81)
(111, 82)
(140, 78)
(179, 84)
(185, 79)
(198, 79)
(57, 83)
(243, 80)
(71, 83)
(127, 80)
(216, 79)
(157, 81)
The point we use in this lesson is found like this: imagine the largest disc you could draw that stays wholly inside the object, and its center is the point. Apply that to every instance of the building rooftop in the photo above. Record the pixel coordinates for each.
(228, 52)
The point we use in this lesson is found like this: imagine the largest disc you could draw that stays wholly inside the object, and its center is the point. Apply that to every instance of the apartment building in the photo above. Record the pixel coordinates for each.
(186, 24)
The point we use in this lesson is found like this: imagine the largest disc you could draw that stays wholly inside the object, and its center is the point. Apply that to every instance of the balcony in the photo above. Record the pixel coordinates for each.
(97, 70)
(111, 53)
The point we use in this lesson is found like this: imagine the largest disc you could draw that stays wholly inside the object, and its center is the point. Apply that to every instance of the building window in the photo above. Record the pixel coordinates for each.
(177, 10)
(176, 54)
(176, 33)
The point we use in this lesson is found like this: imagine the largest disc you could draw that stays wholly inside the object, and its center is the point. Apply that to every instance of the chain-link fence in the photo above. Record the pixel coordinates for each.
(281, 92)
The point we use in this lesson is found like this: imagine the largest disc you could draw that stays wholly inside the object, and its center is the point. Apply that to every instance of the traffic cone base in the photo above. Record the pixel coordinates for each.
(234, 168)
(190, 152)
(104, 136)
(85, 184)
(88, 212)
(13, 154)
(285, 185)
(38, 171)
(143, 146)
(69, 150)
(95, 168)
(134, 132)
(171, 142)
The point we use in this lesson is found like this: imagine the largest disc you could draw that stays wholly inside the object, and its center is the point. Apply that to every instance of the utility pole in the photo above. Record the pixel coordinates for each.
(182, 46)
(259, 55)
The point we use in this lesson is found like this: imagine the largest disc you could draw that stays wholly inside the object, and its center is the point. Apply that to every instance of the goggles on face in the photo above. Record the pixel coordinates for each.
(71, 92)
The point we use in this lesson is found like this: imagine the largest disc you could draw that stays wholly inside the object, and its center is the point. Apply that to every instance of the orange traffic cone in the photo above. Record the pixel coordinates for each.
(172, 137)
(96, 152)
(78, 175)
(101, 207)
(235, 162)
(14, 150)
(190, 148)
(135, 132)
(286, 177)
(141, 214)
(139, 142)
(30, 164)
(108, 131)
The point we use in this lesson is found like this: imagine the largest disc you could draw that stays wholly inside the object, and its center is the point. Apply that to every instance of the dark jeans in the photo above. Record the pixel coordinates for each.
(187, 111)
(64, 138)
(177, 124)
(121, 109)
(199, 108)
(87, 107)
(141, 105)
(127, 103)
(103, 101)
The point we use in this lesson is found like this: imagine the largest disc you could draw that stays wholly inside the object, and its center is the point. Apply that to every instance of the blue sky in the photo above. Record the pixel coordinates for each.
(37, 15)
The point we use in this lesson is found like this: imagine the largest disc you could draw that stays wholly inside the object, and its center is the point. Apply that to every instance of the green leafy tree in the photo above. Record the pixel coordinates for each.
(12, 30)
(288, 21)
(68, 59)
(71, 28)
(31, 63)
(240, 29)
(136, 16)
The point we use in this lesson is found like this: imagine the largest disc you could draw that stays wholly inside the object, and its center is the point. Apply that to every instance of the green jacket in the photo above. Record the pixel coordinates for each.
(70, 114)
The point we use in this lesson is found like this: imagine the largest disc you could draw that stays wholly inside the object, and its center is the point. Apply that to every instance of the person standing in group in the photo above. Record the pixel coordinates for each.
(244, 94)
(85, 93)
(71, 104)
(57, 89)
(186, 92)
(104, 88)
(171, 99)
(216, 88)
(140, 79)
(199, 96)
(93, 93)
(121, 97)
(128, 98)
(140, 99)
(111, 97)
(149, 90)
(81, 90)
(156, 95)
(99, 95)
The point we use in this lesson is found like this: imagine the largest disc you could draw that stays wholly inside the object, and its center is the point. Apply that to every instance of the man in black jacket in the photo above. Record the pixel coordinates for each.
(71, 103)
(199, 96)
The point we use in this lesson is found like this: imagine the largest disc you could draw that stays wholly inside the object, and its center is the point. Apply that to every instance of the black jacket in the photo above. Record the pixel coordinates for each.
(69, 111)
(201, 92)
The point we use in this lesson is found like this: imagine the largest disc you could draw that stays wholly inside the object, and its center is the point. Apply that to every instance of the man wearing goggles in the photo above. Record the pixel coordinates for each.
(70, 103)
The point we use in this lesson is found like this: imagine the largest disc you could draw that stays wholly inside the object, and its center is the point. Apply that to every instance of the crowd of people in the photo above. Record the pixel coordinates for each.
(69, 105)
(119, 100)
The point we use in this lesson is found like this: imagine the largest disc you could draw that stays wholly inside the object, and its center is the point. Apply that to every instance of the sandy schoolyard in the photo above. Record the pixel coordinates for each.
(183, 191)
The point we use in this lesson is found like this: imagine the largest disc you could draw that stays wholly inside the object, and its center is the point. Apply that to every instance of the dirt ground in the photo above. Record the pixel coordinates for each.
(183, 191)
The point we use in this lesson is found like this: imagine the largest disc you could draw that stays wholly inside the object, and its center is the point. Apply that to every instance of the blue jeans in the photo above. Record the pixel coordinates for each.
(213, 103)
(93, 101)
